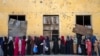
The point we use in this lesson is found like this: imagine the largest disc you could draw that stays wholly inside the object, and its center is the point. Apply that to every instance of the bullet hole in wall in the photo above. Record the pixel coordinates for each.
(41, 1)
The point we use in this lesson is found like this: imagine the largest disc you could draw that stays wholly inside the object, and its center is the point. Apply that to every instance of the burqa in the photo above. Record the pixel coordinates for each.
(23, 46)
(1, 49)
(29, 45)
(32, 45)
(10, 47)
(16, 47)
(69, 45)
(36, 43)
(41, 44)
(48, 45)
(55, 45)
(1, 42)
(62, 45)
(79, 39)
(83, 46)
(5, 46)
(67, 39)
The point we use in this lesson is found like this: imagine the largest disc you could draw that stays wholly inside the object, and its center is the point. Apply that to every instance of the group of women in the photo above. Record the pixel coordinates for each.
(14, 46)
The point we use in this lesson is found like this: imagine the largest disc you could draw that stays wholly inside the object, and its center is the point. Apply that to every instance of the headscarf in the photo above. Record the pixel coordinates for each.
(5, 39)
(1, 40)
(62, 40)
(41, 38)
(16, 39)
(10, 39)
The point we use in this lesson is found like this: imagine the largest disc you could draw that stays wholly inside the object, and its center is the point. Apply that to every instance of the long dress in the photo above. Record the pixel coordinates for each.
(48, 45)
(29, 46)
(88, 47)
(83, 46)
(62, 45)
(75, 45)
(55, 45)
(69, 46)
(1, 51)
(96, 48)
(41, 44)
(23, 47)
(16, 47)
(10, 48)
(5, 46)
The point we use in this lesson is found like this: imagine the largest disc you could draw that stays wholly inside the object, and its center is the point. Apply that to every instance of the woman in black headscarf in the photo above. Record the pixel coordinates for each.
(5, 46)
(83, 46)
(36, 45)
(41, 44)
(10, 47)
(55, 45)
(48, 45)
(69, 45)
(29, 45)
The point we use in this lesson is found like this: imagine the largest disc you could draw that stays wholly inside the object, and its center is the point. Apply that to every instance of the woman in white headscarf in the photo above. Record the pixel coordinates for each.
(10, 47)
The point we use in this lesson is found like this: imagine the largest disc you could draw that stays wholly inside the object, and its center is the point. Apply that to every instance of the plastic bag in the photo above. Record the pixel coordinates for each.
(35, 49)
(79, 49)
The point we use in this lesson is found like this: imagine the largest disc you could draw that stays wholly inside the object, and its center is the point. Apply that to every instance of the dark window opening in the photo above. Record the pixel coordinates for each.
(21, 18)
(79, 20)
(17, 17)
(12, 17)
(87, 20)
(83, 20)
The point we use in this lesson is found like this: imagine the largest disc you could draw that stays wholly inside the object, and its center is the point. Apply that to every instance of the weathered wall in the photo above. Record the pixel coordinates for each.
(35, 9)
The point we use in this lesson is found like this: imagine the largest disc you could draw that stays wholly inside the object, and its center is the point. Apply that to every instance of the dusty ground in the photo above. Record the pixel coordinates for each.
(56, 55)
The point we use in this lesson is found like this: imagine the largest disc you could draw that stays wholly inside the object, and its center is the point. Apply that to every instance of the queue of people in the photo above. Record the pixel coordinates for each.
(70, 45)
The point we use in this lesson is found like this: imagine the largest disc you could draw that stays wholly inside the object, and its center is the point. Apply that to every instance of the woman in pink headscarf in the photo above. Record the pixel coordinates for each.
(23, 46)
(88, 47)
(16, 46)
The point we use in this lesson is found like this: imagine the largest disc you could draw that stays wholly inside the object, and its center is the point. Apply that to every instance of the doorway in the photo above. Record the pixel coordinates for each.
(51, 26)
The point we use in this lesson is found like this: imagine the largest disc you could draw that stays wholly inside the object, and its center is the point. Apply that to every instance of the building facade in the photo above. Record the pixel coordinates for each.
(67, 12)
